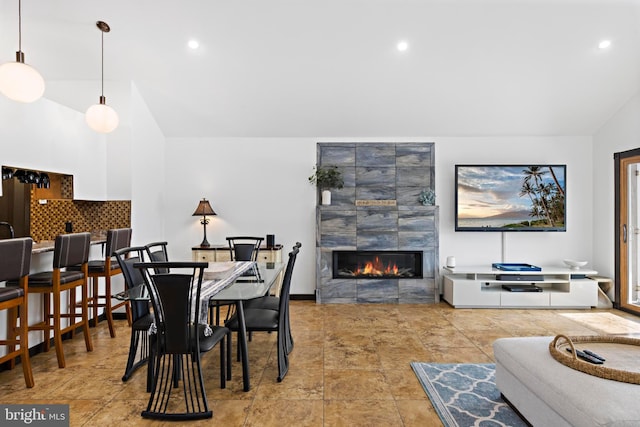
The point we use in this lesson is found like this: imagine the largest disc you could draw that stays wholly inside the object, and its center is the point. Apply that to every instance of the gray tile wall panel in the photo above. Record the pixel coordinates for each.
(412, 240)
(375, 193)
(338, 240)
(343, 197)
(348, 176)
(376, 220)
(414, 155)
(413, 177)
(416, 220)
(374, 240)
(429, 263)
(418, 288)
(375, 155)
(408, 196)
(376, 176)
(377, 288)
(337, 154)
(339, 220)
(334, 288)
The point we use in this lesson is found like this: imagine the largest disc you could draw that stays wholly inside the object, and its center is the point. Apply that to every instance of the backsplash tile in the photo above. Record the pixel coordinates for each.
(48, 220)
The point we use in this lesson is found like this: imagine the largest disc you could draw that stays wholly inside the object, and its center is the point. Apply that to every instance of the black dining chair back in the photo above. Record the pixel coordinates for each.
(272, 302)
(244, 248)
(15, 261)
(141, 316)
(157, 252)
(180, 338)
(267, 320)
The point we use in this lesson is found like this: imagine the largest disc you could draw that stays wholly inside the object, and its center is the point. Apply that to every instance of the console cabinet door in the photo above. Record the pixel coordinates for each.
(584, 293)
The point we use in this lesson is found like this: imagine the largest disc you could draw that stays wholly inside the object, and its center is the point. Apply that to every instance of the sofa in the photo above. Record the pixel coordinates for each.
(547, 393)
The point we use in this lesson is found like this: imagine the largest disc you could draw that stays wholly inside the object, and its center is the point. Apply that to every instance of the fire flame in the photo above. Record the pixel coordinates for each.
(377, 268)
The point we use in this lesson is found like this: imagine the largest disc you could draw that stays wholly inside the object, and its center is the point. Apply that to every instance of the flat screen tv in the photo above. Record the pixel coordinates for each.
(529, 197)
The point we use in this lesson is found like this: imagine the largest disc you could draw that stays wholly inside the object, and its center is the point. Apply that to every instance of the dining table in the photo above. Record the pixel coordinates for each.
(230, 282)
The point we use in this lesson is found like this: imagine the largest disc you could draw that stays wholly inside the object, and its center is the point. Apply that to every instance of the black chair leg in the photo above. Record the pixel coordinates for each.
(229, 358)
(223, 363)
(133, 348)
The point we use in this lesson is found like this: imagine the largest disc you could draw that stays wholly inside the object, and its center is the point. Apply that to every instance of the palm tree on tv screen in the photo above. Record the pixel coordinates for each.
(547, 198)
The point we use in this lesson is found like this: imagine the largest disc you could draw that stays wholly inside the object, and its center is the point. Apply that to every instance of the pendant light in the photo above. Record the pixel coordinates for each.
(100, 117)
(19, 81)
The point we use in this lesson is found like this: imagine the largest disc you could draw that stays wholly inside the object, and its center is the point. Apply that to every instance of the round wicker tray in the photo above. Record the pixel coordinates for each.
(621, 354)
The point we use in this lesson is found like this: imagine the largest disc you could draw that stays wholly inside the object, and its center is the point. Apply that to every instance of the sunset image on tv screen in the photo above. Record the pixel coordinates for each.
(518, 198)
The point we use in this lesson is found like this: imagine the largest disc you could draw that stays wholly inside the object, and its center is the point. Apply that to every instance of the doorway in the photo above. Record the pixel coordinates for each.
(14, 207)
(627, 226)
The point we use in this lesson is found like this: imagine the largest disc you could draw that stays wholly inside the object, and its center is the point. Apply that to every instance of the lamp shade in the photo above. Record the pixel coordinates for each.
(204, 208)
(21, 82)
(102, 118)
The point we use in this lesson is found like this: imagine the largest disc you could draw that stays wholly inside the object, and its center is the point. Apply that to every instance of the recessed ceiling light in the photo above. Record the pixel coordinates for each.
(604, 44)
(402, 46)
(193, 44)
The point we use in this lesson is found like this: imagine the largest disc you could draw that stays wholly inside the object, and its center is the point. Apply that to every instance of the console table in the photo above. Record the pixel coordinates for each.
(219, 253)
(480, 286)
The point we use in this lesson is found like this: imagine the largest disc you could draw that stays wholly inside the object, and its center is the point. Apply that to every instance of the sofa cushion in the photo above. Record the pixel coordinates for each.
(581, 399)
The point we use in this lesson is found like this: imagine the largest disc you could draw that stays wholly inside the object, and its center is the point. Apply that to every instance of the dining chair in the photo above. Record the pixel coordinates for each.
(244, 248)
(157, 252)
(70, 250)
(141, 315)
(241, 248)
(15, 261)
(179, 340)
(107, 268)
(266, 320)
(272, 302)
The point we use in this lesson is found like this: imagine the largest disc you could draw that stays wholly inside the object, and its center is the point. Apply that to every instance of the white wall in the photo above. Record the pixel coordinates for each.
(256, 187)
(48, 136)
(620, 133)
(147, 169)
(259, 186)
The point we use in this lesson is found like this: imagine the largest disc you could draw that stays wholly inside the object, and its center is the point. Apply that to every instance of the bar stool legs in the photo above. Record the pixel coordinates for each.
(69, 250)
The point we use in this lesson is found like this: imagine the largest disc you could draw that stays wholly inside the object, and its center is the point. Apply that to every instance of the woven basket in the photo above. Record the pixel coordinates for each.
(624, 368)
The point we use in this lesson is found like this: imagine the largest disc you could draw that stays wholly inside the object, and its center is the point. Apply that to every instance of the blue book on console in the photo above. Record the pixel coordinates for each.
(506, 266)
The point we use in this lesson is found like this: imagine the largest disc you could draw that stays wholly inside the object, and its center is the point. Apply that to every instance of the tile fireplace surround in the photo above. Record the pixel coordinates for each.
(394, 173)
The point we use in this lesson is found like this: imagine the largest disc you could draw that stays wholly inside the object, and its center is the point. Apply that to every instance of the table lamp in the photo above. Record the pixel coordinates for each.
(204, 209)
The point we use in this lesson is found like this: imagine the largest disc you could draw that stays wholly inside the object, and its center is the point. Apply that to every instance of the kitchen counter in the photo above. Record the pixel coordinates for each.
(97, 238)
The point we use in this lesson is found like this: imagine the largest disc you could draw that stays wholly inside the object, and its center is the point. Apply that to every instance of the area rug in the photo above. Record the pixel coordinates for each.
(465, 395)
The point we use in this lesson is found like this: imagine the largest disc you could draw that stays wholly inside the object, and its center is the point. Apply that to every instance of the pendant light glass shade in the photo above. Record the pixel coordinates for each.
(100, 117)
(19, 81)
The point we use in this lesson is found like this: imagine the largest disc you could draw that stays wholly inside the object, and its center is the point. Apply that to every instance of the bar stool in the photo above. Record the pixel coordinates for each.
(15, 260)
(116, 239)
(69, 250)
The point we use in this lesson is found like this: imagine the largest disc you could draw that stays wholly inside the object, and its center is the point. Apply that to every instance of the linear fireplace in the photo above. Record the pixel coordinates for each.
(377, 264)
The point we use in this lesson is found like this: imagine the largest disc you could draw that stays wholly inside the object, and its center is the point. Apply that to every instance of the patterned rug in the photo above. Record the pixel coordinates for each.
(465, 395)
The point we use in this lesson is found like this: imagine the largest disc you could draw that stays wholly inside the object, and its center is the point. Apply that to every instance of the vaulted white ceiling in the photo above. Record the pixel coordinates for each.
(326, 68)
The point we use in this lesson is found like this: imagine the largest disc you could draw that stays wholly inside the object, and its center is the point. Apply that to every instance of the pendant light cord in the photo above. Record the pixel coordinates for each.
(102, 67)
(20, 26)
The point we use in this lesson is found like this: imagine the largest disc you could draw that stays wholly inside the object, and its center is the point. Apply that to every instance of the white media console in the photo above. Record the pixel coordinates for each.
(481, 287)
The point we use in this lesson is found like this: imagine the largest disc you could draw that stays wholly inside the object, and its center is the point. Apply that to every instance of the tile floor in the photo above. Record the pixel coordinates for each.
(349, 367)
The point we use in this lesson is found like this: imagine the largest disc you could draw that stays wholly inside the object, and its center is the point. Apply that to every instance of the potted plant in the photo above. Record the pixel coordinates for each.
(326, 178)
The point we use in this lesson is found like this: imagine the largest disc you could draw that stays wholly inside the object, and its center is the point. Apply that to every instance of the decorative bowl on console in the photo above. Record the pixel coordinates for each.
(575, 265)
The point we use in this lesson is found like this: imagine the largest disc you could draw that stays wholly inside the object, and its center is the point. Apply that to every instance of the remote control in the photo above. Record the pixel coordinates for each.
(591, 353)
(585, 356)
